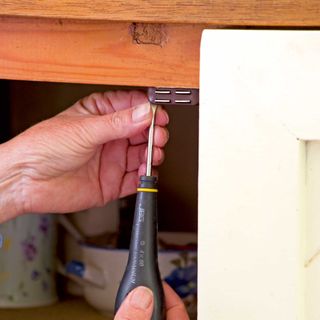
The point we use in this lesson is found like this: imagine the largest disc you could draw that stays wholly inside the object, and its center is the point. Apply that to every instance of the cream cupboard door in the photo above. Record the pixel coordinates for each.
(259, 175)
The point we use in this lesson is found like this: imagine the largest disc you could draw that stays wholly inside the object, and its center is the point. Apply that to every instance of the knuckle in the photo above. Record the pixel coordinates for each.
(116, 121)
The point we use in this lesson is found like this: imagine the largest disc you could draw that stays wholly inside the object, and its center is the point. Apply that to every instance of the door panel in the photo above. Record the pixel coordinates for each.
(259, 112)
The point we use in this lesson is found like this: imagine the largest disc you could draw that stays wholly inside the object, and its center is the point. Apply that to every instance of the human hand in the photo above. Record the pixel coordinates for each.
(91, 153)
(139, 305)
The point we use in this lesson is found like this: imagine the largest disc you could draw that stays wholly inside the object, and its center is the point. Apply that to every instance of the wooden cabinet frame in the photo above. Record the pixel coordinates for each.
(135, 43)
(114, 53)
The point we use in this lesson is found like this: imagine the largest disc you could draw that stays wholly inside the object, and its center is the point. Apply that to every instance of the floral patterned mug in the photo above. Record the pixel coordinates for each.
(27, 261)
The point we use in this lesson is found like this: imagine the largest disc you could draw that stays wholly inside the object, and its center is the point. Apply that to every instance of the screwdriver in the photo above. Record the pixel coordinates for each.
(142, 267)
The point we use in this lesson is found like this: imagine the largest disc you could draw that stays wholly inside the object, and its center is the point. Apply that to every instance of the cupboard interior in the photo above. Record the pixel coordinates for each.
(25, 103)
(31, 102)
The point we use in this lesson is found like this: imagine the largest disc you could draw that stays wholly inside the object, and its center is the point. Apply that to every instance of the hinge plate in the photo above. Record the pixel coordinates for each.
(173, 96)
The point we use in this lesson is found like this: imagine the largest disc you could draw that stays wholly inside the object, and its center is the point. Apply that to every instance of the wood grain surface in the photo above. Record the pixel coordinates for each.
(100, 52)
(73, 308)
(215, 12)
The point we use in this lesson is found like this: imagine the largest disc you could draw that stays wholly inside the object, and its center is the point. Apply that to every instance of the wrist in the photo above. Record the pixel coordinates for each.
(12, 202)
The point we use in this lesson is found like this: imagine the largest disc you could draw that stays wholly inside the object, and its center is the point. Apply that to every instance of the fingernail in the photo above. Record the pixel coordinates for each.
(141, 298)
(141, 112)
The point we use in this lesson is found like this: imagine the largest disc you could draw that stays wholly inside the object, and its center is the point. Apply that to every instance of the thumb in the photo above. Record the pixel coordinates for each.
(119, 124)
(138, 305)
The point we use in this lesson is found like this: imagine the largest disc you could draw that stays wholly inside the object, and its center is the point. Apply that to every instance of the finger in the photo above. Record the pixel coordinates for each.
(112, 167)
(131, 181)
(122, 99)
(121, 124)
(161, 137)
(162, 117)
(137, 306)
(111, 101)
(140, 138)
(174, 305)
(143, 169)
(129, 184)
(157, 156)
(135, 156)
(108, 102)
(138, 155)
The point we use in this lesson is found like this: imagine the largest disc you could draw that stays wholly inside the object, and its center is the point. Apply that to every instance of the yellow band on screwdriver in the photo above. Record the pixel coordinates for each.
(147, 189)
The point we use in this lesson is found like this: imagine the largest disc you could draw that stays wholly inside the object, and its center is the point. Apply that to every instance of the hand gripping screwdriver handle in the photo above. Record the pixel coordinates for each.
(142, 267)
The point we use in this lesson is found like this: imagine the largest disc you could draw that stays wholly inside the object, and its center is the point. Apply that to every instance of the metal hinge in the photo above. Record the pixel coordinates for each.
(174, 96)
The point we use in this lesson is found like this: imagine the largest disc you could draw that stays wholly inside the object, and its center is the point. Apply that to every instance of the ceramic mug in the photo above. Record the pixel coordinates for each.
(27, 261)
(102, 269)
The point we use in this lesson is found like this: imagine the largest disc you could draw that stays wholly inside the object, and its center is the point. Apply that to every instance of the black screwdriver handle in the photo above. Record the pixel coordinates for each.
(142, 266)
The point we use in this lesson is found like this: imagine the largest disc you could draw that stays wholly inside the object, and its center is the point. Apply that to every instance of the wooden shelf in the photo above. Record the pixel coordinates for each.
(70, 309)
(214, 12)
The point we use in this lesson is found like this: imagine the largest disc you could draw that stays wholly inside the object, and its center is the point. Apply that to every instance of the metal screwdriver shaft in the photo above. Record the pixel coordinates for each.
(142, 267)
(150, 141)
